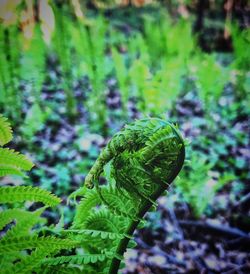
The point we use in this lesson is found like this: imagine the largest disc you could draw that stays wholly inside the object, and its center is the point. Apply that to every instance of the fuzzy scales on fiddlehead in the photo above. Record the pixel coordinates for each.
(142, 160)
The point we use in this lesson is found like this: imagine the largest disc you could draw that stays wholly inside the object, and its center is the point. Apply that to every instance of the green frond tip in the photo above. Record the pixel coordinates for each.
(12, 159)
(27, 193)
(5, 131)
(29, 242)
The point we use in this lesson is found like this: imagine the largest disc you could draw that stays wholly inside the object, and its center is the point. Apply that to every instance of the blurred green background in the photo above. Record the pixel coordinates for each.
(72, 73)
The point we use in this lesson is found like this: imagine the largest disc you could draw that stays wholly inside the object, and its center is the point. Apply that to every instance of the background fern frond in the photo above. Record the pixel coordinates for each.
(5, 131)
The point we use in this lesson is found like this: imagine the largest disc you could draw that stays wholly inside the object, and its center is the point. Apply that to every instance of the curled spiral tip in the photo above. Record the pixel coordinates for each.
(146, 155)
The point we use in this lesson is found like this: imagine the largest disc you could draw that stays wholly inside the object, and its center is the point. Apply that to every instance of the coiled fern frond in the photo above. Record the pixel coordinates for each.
(142, 159)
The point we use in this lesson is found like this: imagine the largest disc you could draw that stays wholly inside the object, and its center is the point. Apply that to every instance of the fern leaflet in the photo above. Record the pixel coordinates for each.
(29, 242)
(24, 193)
(9, 157)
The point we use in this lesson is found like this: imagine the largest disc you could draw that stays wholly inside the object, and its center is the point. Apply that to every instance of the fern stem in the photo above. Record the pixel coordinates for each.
(122, 246)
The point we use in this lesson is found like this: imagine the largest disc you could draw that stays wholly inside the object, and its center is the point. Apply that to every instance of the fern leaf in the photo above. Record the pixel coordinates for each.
(98, 233)
(76, 259)
(5, 131)
(6, 262)
(29, 263)
(104, 220)
(17, 214)
(116, 202)
(24, 224)
(120, 203)
(65, 269)
(90, 200)
(9, 157)
(9, 170)
(27, 193)
(29, 242)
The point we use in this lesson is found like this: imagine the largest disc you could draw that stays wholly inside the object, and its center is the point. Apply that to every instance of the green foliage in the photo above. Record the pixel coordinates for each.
(5, 131)
(122, 76)
(11, 158)
(167, 34)
(139, 75)
(96, 99)
(10, 70)
(26, 193)
(241, 40)
(34, 120)
(197, 185)
(20, 215)
(152, 68)
(164, 87)
(89, 42)
(211, 79)
(21, 235)
(76, 259)
(11, 162)
(150, 150)
(157, 69)
(34, 58)
(140, 162)
(63, 50)
(30, 242)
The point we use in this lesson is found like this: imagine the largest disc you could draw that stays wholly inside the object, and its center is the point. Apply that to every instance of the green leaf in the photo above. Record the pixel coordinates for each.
(26, 193)
(11, 158)
(29, 242)
(5, 131)
(76, 259)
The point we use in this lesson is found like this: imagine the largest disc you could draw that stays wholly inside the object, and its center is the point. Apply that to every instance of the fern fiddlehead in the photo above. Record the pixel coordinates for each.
(144, 159)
